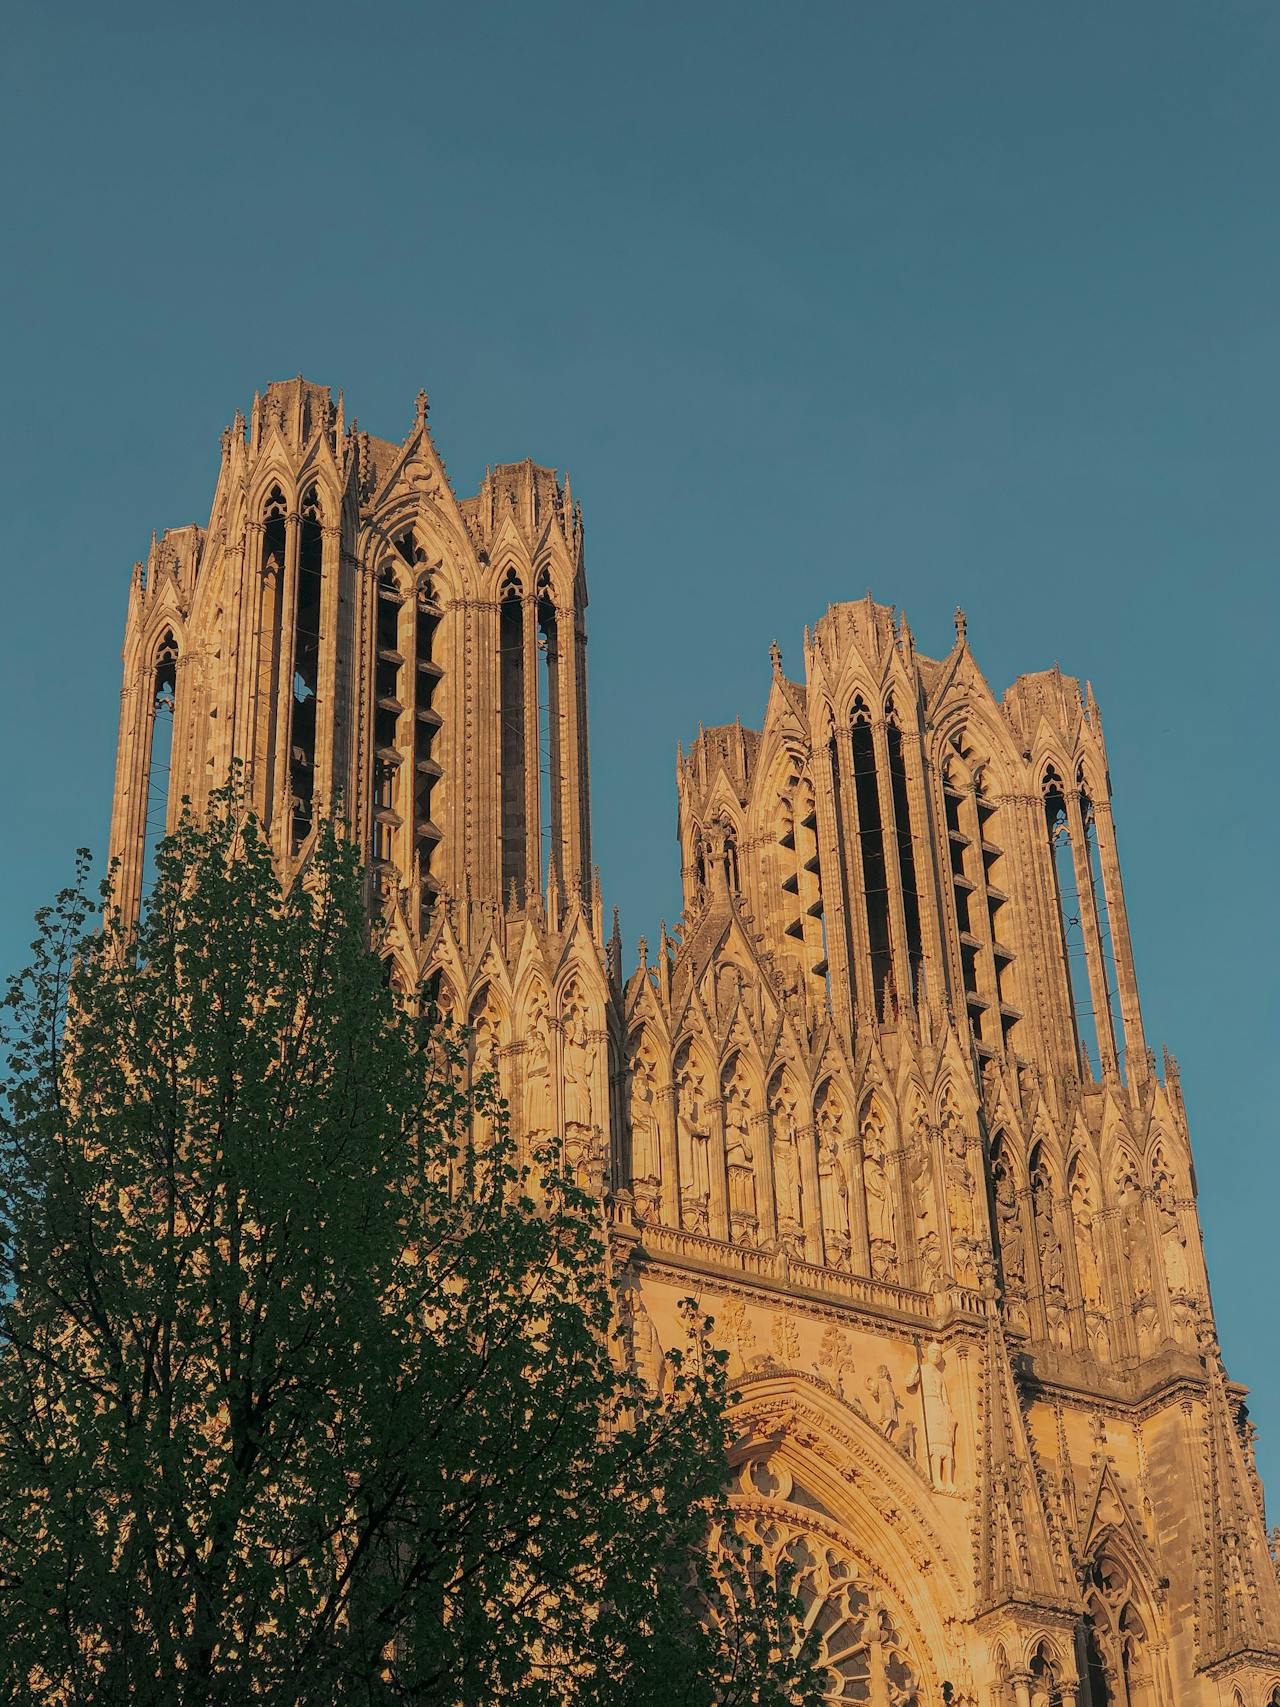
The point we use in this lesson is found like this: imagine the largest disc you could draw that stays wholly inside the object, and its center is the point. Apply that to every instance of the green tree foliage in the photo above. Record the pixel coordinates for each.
(308, 1393)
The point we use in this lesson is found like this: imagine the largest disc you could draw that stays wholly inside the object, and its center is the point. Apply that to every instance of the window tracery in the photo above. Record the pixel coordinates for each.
(1118, 1670)
(862, 1654)
(512, 690)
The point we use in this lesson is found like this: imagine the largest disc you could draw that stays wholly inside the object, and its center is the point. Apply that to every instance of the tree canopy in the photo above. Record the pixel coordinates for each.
(310, 1390)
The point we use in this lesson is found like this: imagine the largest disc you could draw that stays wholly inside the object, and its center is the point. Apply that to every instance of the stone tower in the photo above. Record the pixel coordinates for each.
(881, 1100)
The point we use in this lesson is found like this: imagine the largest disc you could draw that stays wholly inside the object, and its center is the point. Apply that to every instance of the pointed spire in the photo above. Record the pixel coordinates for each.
(1020, 1557)
(1242, 1609)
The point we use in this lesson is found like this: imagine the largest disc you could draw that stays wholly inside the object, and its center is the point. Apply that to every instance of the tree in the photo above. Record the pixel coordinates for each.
(309, 1393)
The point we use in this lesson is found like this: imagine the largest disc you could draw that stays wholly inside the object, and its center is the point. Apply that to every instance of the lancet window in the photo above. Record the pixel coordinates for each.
(159, 747)
(904, 845)
(427, 770)
(272, 565)
(1107, 968)
(1082, 914)
(875, 872)
(388, 712)
(549, 771)
(514, 806)
(306, 671)
(1071, 929)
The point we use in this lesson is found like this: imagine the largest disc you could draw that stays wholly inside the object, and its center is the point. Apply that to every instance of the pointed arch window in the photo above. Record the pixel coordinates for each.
(1117, 1644)
(1070, 920)
(273, 568)
(905, 846)
(1106, 999)
(159, 744)
(548, 731)
(875, 872)
(388, 712)
(306, 670)
(514, 811)
(427, 769)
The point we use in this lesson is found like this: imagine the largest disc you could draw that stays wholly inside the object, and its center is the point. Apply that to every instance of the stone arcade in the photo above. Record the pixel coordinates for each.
(882, 1099)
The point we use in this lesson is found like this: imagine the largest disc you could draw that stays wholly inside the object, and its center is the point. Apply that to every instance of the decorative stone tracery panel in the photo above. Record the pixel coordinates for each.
(862, 1652)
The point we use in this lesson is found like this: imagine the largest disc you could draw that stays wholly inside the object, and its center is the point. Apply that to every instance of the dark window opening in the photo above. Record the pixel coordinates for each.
(875, 878)
(548, 736)
(426, 769)
(906, 854)
(388, 706)
(306, 669)
(511, 640)
(1071, 929)
(164, 684)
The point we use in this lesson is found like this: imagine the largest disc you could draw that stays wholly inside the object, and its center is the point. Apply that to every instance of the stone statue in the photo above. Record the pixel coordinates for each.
(939, 1419)
(645, 1159)
(579, 1059)
(885, 1400)
(537, 1086)
(882, 1222)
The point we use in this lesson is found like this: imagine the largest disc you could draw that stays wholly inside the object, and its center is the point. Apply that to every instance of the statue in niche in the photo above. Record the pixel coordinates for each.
(1013, 1251)
(928, 1242)
(786, 1169)
(960, 1201)
(537, 1081)
(882, 1221)
(740, 1160)
(940, 1424)
(577, 1066)
(833, 1188)
(646, 1164)
(694, 1138)
(1086, 1231)
(486, 1044)
(1133, 1236)
(1173, 1240)
(888, 1407)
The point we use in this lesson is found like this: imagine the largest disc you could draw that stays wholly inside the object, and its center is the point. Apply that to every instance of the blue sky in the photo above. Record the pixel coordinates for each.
(966, 304)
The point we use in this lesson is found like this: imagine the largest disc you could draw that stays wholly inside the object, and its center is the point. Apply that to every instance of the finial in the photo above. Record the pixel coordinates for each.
(775, 657)
(421, 409)
(642, 949)
(962, 625)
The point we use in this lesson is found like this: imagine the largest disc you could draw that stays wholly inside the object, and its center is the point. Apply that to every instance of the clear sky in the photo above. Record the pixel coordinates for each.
(966, 304)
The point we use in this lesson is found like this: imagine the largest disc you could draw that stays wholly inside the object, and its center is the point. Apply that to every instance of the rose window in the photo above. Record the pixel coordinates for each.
(860, 1650)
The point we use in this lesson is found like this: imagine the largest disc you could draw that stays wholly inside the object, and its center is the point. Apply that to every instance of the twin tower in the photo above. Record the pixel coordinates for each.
(881, 1100)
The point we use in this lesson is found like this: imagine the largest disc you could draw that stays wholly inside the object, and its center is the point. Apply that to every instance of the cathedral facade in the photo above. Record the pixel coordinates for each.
(881, 1101)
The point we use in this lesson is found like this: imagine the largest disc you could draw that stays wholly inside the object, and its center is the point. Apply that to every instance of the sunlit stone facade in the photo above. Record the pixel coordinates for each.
(881, 1100)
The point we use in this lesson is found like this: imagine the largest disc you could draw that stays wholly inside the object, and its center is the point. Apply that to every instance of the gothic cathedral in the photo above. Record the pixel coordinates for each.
(881, 1100)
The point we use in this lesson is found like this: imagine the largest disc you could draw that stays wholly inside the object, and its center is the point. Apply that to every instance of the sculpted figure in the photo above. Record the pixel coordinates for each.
(833, 1189)
(579, 1059)
(1082, 1216)
(1009, 1226)
(939, 1419)
(882, 1220)
(694, 1137)
(887, 1405)
(1133, 1236)
(740, 1157)
(537, 1094)
(786, 1161)
(645, 1160)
